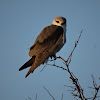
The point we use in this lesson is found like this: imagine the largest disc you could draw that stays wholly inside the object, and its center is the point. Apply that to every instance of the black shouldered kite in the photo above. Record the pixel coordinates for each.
(50, 40)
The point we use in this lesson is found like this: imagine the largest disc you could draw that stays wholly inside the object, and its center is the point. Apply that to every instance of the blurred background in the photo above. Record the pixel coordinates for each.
(20, 23)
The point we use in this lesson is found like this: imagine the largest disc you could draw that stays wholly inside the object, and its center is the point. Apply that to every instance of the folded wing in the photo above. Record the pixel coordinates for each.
(46, 40)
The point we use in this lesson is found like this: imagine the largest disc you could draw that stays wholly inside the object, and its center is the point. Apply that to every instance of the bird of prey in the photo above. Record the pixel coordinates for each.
(50, 40)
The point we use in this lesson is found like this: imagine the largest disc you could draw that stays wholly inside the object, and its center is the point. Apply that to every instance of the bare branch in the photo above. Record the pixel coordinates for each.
(57, 66)
(29, 98)
(69, 58)
(93, 97)
(95, 87)
(77, 88)
(62, 97)
(43, 68)
(49, 93)
(36, 97)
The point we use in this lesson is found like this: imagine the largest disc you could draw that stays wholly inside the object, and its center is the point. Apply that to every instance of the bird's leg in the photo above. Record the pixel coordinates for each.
(54, 56)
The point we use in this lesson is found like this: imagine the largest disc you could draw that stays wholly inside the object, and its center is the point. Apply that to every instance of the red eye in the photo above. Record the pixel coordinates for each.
(57, 21)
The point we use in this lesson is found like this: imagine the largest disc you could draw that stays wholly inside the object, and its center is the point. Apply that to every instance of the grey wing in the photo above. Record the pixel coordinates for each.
(47, 40)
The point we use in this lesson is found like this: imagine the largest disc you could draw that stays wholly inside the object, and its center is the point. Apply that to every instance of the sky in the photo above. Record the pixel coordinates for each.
(20, 23)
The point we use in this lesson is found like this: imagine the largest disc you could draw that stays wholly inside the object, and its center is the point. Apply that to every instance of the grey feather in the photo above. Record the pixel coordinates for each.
(46, 39)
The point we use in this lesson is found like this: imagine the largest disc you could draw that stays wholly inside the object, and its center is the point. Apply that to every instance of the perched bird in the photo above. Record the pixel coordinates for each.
(50, 40)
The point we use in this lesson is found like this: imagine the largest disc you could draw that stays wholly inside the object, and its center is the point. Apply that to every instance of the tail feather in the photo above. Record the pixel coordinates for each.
(27, 64)
(31, 70)
(40, 58)
(27, 74)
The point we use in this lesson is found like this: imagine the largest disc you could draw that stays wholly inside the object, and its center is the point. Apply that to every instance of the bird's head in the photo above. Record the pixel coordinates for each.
(59, 21)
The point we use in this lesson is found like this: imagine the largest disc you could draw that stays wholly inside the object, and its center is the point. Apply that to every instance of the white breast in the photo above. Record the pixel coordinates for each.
(64, 35)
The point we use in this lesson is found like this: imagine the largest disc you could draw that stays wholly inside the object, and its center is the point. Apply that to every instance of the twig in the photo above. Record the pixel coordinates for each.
(95, 87)
(62, 97)
(57, 66)
(29, 98)
(69, 58)
(43, 68)
(36, 97)
(93, 97)
(49, 93)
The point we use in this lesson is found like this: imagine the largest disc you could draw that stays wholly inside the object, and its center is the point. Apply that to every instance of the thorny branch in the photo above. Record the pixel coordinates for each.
(72, 76)
(69, 58)
(77, 85)
(77, 89)
(95, 87)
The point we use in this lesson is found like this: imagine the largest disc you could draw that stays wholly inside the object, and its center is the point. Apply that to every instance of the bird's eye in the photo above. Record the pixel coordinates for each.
(57, 21)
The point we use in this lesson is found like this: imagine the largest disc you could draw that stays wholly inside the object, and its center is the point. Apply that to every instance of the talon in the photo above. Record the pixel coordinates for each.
(53, 56)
